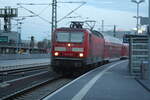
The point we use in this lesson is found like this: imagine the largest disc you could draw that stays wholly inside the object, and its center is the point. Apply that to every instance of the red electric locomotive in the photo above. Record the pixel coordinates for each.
(75, 47)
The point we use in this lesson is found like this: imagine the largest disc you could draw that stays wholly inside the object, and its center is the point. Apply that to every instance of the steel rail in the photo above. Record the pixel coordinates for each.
(20, 67)
(3, 73)
(25, 90)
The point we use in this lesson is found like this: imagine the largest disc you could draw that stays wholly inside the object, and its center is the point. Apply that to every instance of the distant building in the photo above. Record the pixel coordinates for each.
(7, 35)
(27, 43)
(10, 37)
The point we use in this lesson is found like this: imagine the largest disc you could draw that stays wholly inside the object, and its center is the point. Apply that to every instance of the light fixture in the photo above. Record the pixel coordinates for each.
(68, 44)
(137, 17)
(56, 53)
(81, 55)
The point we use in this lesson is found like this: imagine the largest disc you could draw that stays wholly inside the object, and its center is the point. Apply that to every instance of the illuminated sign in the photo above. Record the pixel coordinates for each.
(3, 38)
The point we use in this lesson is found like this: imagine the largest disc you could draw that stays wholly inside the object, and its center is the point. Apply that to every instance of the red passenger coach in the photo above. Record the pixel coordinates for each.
(113, 48)
(125, 51)
(75, 47)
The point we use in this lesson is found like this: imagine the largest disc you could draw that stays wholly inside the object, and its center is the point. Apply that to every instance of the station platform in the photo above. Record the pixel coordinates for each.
(23, 61)
(108, 82)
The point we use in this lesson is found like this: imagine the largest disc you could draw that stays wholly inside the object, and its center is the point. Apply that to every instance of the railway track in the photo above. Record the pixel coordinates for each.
(41, 91)
(14, 81)
(34, 79)
(34, 87)
(18, 87)
(38, 91)
(11, 69)
(7, 75)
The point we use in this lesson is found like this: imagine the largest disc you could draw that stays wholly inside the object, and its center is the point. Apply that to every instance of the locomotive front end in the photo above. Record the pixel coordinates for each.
(68, 49)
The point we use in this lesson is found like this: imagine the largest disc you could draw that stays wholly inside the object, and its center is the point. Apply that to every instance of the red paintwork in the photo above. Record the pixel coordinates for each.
(96, 46)
(70, 53)
(125, 51)
(93, 46)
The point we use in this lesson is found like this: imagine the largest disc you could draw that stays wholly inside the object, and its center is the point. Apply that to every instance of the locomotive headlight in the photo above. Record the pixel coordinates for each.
(56, 53)
(81, 54)
(68, 44)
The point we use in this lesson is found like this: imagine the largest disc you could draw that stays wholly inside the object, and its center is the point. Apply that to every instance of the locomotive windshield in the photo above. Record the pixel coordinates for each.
(70, 37)
(62, 37)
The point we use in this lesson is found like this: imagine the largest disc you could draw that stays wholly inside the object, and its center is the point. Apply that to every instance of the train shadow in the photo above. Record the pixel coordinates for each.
(75, 73)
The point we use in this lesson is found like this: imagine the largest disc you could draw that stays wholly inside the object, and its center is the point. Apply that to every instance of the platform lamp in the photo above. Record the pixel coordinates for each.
(138, 2)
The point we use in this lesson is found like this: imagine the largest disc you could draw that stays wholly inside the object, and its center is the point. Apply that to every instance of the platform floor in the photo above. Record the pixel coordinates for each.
(109, 82)
(23, 61)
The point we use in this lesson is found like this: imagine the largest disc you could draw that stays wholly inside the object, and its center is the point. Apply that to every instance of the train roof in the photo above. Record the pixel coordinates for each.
(107, 37)
(98, 34)
(70, 29)
(112, 39)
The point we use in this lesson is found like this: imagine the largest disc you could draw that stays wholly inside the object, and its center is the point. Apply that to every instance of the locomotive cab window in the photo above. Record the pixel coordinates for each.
(77, 37)
(62, 37)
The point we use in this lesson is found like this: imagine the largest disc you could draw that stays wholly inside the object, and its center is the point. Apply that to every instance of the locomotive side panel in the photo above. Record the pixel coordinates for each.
(96, 48)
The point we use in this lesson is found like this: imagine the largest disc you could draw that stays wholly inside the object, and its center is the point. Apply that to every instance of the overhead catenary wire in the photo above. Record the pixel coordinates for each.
(71, 12)
(77, 15)
(36, 14)
(89, 23)
(34, 4)
(72, 2)
(42, 11)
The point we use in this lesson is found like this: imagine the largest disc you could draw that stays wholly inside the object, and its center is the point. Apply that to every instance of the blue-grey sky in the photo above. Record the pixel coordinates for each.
(113, 12)
(122, 5)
